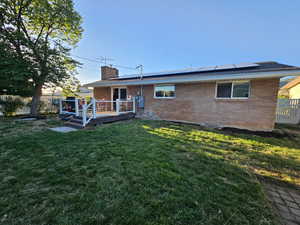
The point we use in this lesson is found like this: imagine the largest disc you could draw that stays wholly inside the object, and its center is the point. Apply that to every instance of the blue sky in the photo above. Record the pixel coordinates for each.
(174, 34)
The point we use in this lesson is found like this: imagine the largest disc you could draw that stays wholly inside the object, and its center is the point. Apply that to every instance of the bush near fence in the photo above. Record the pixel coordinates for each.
(49, 104)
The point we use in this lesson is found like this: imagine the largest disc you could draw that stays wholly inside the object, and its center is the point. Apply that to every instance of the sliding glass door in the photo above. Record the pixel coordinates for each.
(119, 93)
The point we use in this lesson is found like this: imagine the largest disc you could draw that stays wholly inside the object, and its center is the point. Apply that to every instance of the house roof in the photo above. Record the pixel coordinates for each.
(292, 83)
(202, 74)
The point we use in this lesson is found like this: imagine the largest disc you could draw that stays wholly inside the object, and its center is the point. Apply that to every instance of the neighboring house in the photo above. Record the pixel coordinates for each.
(241, 95)
(291, 90)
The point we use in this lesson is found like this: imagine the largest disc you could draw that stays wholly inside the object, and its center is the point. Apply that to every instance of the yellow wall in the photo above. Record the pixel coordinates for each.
(294, 92)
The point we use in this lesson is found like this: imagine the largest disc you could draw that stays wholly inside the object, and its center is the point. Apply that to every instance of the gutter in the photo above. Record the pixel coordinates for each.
(195, 78)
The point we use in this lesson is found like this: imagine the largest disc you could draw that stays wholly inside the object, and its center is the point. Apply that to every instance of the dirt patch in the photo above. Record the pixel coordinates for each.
(15, 126)
(40, 117)
(26, 116)
(277, 133)
(272, 134)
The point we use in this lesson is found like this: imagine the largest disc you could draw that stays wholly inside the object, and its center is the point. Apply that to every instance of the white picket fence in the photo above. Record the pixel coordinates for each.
(288, 111)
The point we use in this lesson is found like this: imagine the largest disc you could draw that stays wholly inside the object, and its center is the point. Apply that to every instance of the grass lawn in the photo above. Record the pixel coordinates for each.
(137, 173)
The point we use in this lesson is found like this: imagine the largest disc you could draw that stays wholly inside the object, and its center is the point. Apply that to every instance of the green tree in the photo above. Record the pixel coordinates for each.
(39, 34)
(14, 74)
(70, 87)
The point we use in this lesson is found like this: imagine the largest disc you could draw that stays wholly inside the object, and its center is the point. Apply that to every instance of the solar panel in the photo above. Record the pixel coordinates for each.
(207, 68)
(191, 70)
(246, 65)
(236, 66)
(224, 67)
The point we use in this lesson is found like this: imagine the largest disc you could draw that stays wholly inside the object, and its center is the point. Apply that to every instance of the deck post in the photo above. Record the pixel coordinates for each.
(84, 112)
(118, 106)
(76, 107)
(133, 105)
(60, 106)
(94, 108)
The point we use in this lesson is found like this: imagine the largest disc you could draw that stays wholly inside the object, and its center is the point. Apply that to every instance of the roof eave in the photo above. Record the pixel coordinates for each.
(193, 78)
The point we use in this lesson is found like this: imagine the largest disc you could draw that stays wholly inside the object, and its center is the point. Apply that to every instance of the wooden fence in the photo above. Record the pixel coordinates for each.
(50, 104)
(288, 111)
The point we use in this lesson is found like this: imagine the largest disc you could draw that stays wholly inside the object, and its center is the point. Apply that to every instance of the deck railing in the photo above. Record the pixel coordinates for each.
(94, 108)
(88, 112)
(67, 106)
(118, 106)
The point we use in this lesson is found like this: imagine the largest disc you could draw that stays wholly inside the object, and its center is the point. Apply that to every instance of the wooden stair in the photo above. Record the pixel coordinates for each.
(76, 122)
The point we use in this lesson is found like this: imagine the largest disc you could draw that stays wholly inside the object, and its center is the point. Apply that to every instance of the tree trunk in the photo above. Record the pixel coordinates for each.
(36, 98)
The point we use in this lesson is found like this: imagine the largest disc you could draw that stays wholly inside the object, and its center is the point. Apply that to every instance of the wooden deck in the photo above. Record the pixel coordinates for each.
(107, 113)
(102, 119)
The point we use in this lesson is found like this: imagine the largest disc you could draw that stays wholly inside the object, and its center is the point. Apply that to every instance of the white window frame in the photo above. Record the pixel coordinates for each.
(233, 82)
(162, 85)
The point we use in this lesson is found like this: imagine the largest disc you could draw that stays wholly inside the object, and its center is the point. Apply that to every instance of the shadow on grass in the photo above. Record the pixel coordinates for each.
(127, 173)
(264, 156)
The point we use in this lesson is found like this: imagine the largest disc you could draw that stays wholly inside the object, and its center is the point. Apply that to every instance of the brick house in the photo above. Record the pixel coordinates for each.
(242, 95)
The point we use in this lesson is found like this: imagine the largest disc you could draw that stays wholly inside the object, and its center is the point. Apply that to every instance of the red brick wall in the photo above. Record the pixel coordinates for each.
(196, 103)
(102, 93)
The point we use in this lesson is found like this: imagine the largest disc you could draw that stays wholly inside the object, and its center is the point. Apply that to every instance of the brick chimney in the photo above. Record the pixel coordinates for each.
(108, 72)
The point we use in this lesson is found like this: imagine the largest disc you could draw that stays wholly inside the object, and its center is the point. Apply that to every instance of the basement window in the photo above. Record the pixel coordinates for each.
(233, 90)
(164, 91)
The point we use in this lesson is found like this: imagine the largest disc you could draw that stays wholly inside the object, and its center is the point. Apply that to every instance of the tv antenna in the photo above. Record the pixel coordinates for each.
(105, 60)
(141, 68)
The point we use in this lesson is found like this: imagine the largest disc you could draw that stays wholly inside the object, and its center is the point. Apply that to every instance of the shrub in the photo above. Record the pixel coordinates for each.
(10, 105)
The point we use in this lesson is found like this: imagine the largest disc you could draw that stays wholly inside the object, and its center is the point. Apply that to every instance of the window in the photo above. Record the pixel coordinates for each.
(123, 93)
(224, 90)
(234, 89)
(165, 91)
(240, 90)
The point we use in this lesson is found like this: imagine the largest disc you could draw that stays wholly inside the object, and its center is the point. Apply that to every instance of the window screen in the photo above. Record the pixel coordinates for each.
(224, 90)
(240, 90)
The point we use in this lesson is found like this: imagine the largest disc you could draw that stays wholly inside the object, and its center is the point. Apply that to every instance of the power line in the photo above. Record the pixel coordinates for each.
(105, 59)
(91, 60)
(125, 67)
